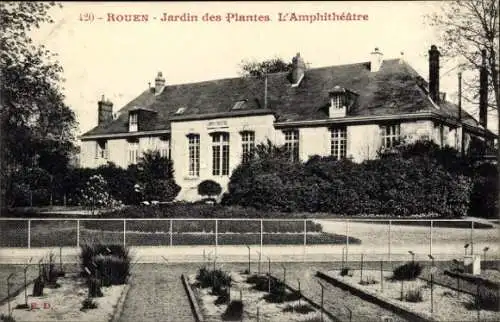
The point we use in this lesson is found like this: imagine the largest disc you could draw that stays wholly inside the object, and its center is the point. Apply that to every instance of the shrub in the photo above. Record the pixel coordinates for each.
(213, 278)
(302, 308)
(408, 271)
(209, 188)
(111, 263)
(88, 304)
(414, 295)
(234, 311)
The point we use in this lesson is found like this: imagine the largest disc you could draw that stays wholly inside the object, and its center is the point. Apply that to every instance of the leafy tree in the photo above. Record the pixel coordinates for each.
(269, 66)
(95, 195)
(36, 125)
(466, 28)
(156, 177)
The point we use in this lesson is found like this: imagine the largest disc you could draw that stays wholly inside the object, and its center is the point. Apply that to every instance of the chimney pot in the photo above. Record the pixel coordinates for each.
(483, 90)
(104, 111)
(376, 60)
(159, 83)
(298, 68)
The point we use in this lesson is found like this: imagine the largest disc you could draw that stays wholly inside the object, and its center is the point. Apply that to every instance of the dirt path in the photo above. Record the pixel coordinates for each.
(157, 294)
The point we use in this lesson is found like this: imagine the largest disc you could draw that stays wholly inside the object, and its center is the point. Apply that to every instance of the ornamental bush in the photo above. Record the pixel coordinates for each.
(209, 188)
(418, 180)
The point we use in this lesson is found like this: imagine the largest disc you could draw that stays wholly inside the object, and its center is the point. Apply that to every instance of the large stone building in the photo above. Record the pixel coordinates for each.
(348, 111)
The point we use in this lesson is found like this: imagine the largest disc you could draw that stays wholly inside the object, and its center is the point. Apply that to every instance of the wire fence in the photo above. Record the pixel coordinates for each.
(304, 239)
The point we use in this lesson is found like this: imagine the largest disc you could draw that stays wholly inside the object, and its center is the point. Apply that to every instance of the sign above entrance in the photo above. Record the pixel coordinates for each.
(217, 124)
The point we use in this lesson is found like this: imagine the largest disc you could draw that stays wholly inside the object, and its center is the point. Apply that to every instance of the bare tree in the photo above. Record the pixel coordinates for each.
(466, 28)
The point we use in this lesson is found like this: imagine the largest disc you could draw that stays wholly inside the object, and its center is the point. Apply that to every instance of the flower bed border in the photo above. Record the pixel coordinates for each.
(192, 299)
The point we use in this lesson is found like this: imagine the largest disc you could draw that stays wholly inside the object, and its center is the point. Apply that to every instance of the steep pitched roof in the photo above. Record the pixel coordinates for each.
(395, 89)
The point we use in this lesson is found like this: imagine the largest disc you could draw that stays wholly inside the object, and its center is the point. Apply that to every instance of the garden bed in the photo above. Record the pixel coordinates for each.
(446, 305)
(254, 302)
(64, 303)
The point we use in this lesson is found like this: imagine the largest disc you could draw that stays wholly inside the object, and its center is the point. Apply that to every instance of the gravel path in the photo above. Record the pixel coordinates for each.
(157, 294)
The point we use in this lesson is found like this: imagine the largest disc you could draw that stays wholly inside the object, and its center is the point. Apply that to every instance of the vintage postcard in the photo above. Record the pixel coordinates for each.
(249, 161)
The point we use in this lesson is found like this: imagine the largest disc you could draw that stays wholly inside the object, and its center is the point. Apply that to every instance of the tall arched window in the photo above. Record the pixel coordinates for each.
(220, 154)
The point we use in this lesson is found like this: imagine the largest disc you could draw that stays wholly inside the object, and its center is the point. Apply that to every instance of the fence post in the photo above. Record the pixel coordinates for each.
(216, 236)
(430, 244)
(305, 240)
(346, 240)
(78, 233)
(261, 234)
(170, 231)
(124, 232)
(390, 224)
(472, 238)
(29, 233)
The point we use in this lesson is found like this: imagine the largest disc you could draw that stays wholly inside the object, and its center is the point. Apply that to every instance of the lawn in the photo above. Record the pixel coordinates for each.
(57, 233)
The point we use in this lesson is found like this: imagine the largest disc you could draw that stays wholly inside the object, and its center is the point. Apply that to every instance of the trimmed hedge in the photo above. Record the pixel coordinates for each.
(400, 184)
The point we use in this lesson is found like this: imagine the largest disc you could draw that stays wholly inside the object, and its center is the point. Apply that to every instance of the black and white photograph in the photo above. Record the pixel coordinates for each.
(288, 161)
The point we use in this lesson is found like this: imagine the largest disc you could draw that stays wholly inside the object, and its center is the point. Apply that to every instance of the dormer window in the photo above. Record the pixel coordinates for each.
(180, 110)
(337, 103)
(239, 105)
(341, 99)
(133, 122)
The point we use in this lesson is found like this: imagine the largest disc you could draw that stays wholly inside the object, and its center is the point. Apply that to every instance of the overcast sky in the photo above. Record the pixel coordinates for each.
(118, 59)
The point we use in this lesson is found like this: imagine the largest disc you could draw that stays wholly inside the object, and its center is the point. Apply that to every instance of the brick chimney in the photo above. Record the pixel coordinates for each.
(376, 60)
(483, 91)
(434, 74)
(159, 83)
(104, 111)
(298, 68)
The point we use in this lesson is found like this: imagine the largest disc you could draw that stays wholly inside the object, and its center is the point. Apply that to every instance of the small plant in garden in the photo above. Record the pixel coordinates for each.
(234, 311)
(407, 272)
(50, 274)
(7, 318)
(368, 280)
(223, 297)
(88, 304)
(279, 294)
(302, 308)
(414, 295)
(94, 287)
(260, 282)
(487, 299)
(38, 286)
(345, 271)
